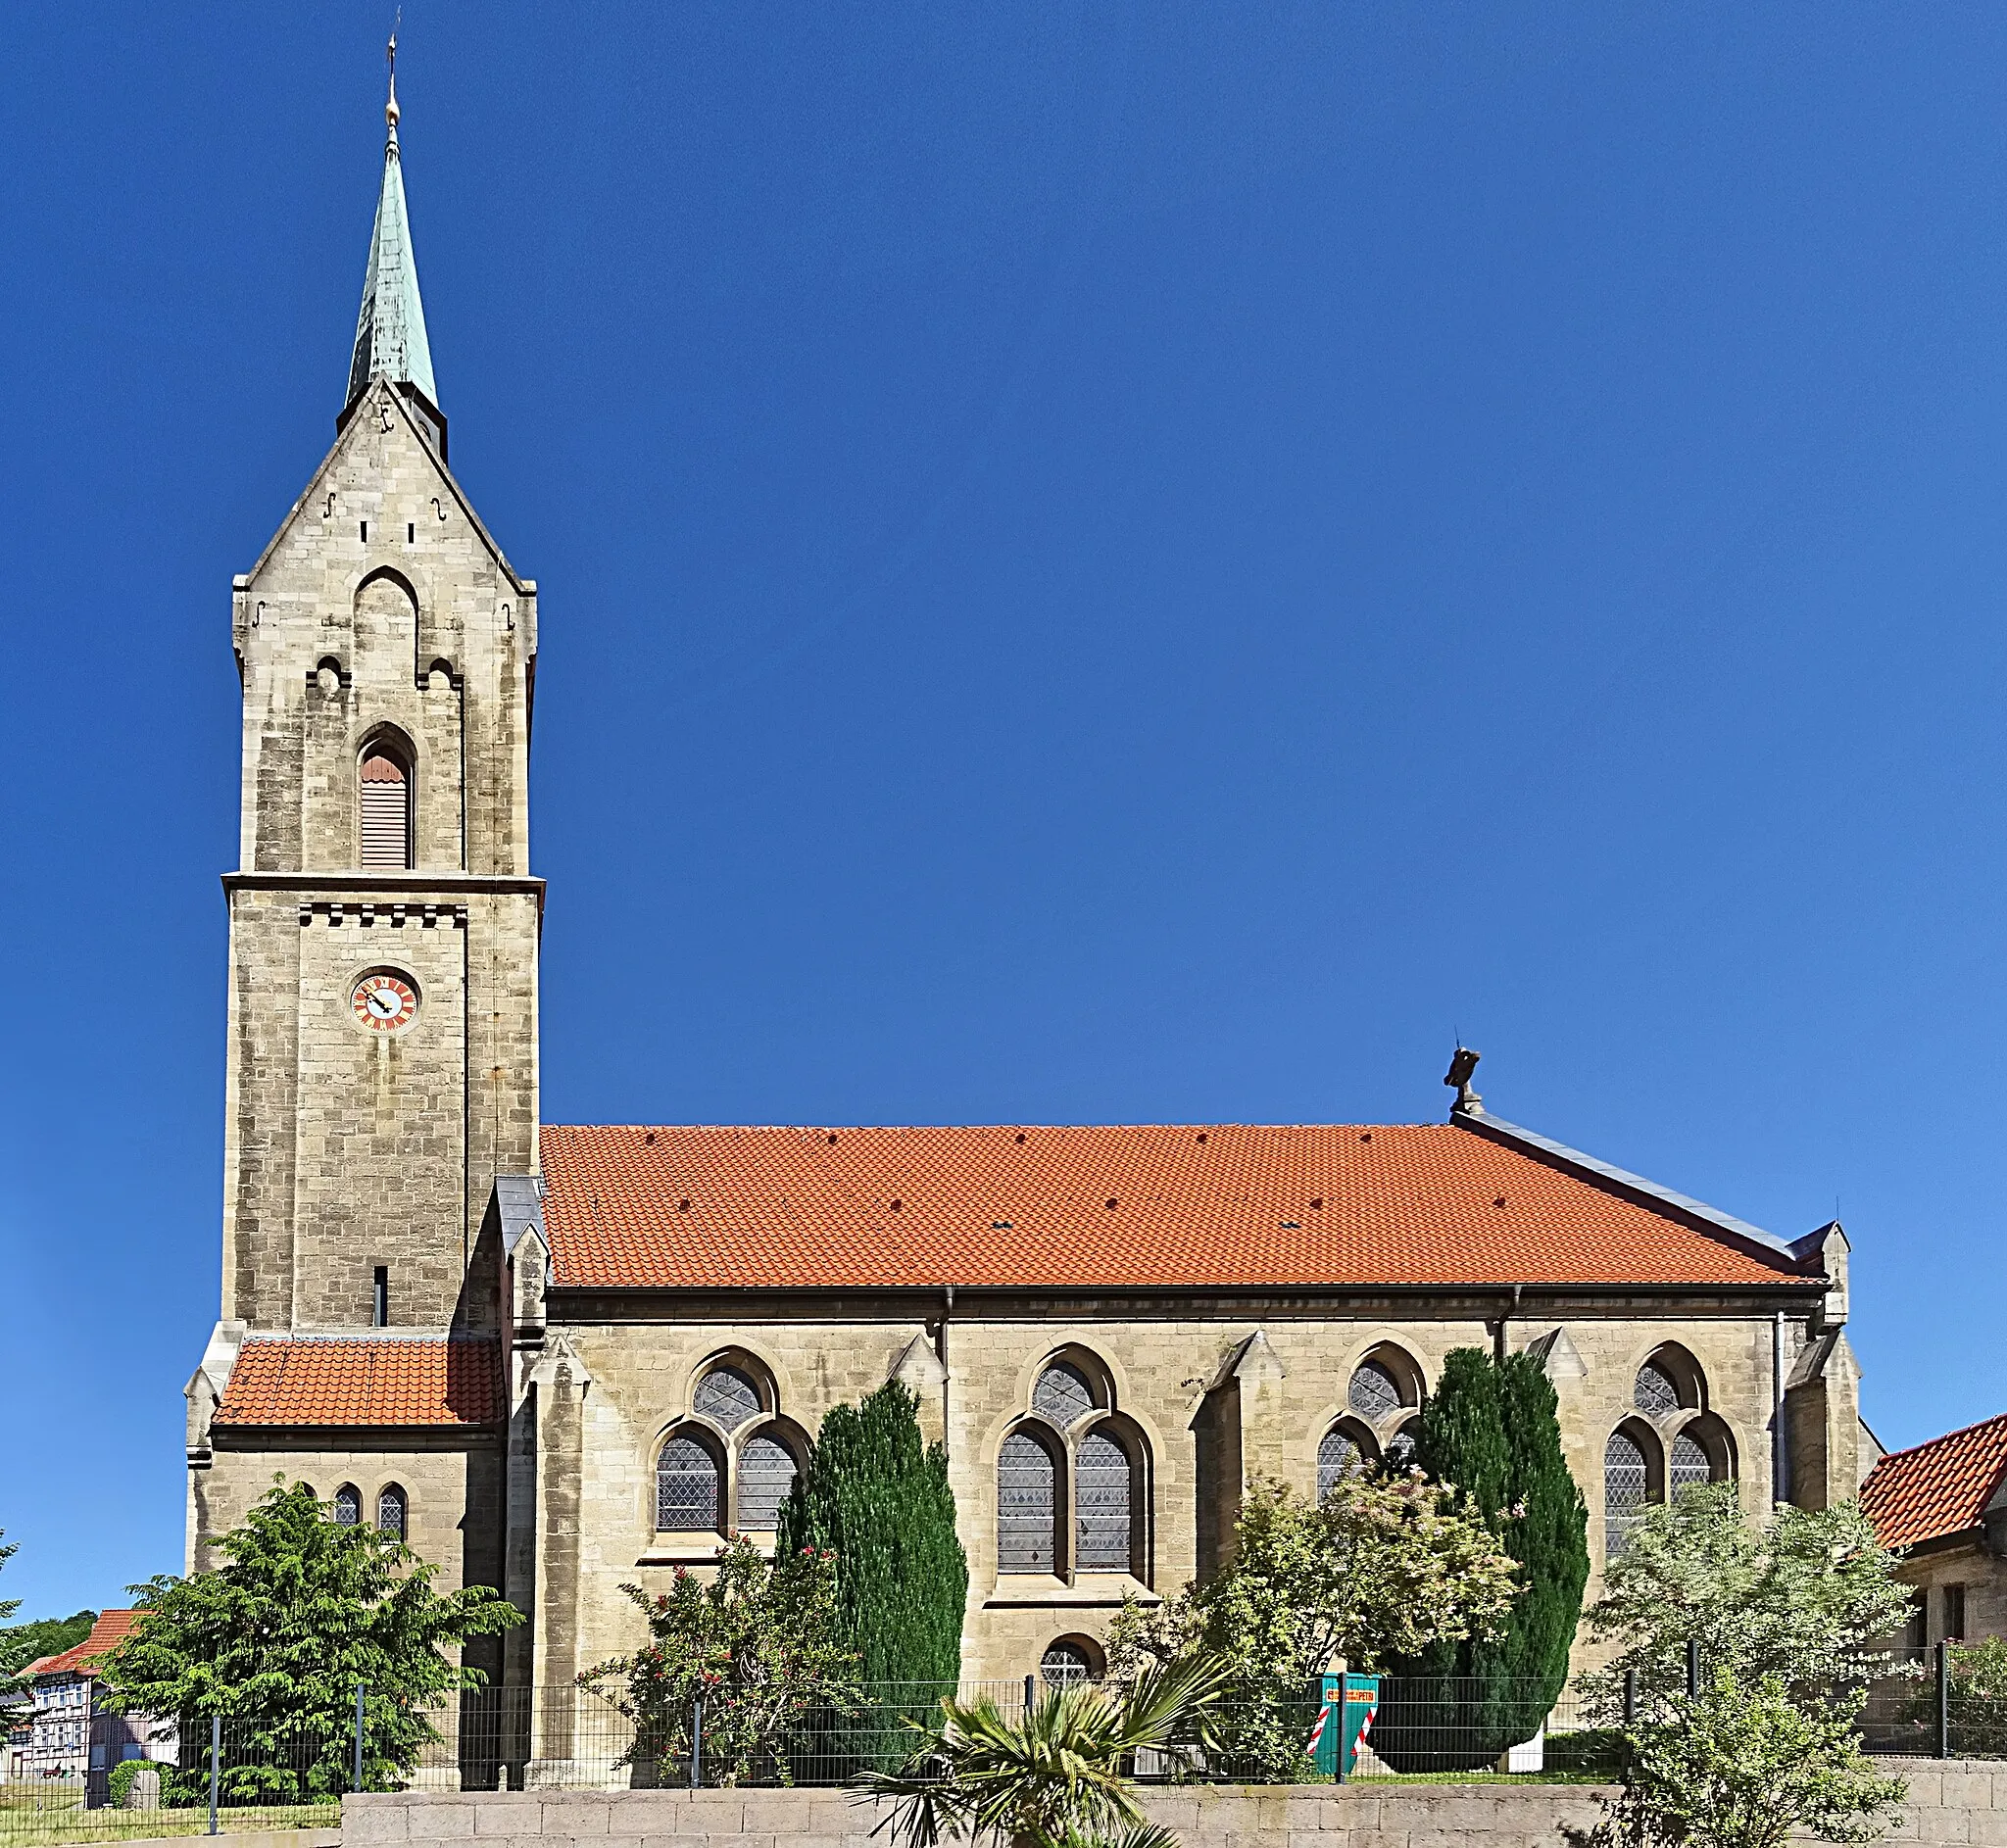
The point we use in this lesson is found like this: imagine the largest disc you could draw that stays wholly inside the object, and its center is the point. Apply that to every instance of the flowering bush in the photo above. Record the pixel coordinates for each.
(756, 1644)
(1382, 1567)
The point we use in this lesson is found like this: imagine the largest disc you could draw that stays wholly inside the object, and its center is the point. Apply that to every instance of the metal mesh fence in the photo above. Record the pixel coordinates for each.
(120, 1776)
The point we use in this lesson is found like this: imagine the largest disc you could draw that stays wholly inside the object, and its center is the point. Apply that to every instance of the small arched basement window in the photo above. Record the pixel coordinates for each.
(348, 1506)
(766, 1472)
(1027, 1505)
(685, 1488)
(387, 787)
(1067, 1664)
(391, 1512)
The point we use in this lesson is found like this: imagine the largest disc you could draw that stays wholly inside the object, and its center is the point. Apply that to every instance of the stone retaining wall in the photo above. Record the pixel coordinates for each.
(1963, 1802)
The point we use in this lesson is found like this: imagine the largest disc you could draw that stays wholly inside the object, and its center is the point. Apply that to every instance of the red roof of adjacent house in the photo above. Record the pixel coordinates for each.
(112, 1626)
(1108, 1206)
(1938, 1487)
(322, 1379)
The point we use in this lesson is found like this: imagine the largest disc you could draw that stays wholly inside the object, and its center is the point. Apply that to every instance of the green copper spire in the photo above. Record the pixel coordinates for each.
(390, 331)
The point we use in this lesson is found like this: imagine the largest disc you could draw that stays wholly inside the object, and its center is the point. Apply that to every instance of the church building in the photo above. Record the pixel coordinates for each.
(558, 1359)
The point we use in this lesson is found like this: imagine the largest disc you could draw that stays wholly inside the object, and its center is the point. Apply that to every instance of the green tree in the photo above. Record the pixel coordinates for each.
(1799, 1596)
(24, 1643)
(1491, 1428)
(1056, 1777)
(877, 1495)
(1380, 1568)
(1745, 1766)
(757, 1644)
(278, 1637)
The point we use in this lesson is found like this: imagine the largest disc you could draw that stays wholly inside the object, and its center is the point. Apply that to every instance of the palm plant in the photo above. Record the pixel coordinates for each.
(1058, 1777)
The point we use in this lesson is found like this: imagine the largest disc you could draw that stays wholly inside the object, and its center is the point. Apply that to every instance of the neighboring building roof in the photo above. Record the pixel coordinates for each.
(364, 1381)
(1127, 1206)
(1936, 1488)
(112, 1626)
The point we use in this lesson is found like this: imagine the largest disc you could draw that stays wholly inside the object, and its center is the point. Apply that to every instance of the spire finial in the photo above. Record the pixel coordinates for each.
(390, 52)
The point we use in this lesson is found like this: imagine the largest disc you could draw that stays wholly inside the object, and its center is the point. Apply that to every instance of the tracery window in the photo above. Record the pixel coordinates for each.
(735, 1458)
(1072, 1480)
(1374, 1391)
(1067, 1664)
(348, 1506)
(1379, 1426)
(1671, 1443)
(391, 1511)
(1400, 1447)
(1340, 1451)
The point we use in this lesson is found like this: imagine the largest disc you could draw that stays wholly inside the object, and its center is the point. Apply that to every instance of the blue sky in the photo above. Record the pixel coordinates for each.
(1131, 563)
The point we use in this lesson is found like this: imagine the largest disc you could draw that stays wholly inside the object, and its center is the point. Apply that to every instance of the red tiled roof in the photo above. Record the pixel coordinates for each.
(1108, 1206)
(112, 1626)
(1938, 1487)
(312, 1379)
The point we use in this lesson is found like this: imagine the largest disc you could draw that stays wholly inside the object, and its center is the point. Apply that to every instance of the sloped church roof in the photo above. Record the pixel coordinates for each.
(1122, 1207)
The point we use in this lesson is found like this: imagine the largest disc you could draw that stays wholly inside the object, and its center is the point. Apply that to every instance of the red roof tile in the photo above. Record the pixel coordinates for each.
(1108, 1206)
(1938, 1487)
(316, 1380)
(112, 1626)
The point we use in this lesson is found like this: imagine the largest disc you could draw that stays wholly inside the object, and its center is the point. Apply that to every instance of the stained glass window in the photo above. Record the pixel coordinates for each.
(1400, 1447)
(1374, 1391)
(391, 1511)
(1624, 1488)
(1062, 1393)
(727, 1395)
(1690, 1466)
(348, 1506)
(1655, 1394)
(1027, 1499)
(1103, 1504)
(1335, 1454)
(685, 1488)
(766, 1472)
(1065, 1664)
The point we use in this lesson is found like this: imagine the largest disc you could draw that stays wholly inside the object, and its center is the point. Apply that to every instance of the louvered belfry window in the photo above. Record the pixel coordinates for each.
(386, 813)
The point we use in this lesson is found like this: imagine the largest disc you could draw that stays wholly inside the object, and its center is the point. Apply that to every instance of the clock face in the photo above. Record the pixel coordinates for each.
(384, 1003)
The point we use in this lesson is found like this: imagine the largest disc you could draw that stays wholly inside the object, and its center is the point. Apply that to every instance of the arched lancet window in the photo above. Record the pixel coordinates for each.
(727, 1395)
(1027, 1505)
(386, 796)
(1063, 1393)
(1627, 1486)
(348, 1506)
(1690, 1464)
(1069, 1663)
(766, 1472)
(1400, 1447)
(1102, 1503)
(1374, 1391)
(391, 1512)
(686, 1487)
(1340, 1451)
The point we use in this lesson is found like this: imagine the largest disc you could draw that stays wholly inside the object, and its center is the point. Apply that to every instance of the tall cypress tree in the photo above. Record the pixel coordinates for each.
(876, 1494)
(1491, 1429)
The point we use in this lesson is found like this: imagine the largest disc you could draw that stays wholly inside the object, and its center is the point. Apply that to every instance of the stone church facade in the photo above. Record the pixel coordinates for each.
(563, 1358)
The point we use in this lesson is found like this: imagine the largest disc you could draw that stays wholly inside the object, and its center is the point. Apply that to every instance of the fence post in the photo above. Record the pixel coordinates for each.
(1031, 1689)
(1944, 1699)
(697, 1742)
(215, 1752)
(1692, 1667)
(358, 1783)
(1630, 1698)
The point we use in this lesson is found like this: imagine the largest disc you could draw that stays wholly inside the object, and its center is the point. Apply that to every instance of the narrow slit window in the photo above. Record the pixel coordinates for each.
(386, 813)
(411, 533)
(366, 532)
(379, 1297)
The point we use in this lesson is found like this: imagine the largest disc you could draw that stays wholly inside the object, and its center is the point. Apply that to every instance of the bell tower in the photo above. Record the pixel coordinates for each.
(382, 1049)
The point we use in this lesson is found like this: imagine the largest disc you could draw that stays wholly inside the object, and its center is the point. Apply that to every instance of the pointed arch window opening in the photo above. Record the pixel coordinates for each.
(1690, 1467)
(1627, 1487)
(1102, 1504)
(386, 811)
(1027, 1505)
(686, 1487)
(348, 1506)
(1343, 1449)
(766, 1475)
(393, 1512)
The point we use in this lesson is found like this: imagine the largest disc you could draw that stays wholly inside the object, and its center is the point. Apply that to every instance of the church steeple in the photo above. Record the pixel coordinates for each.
(390, 331)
